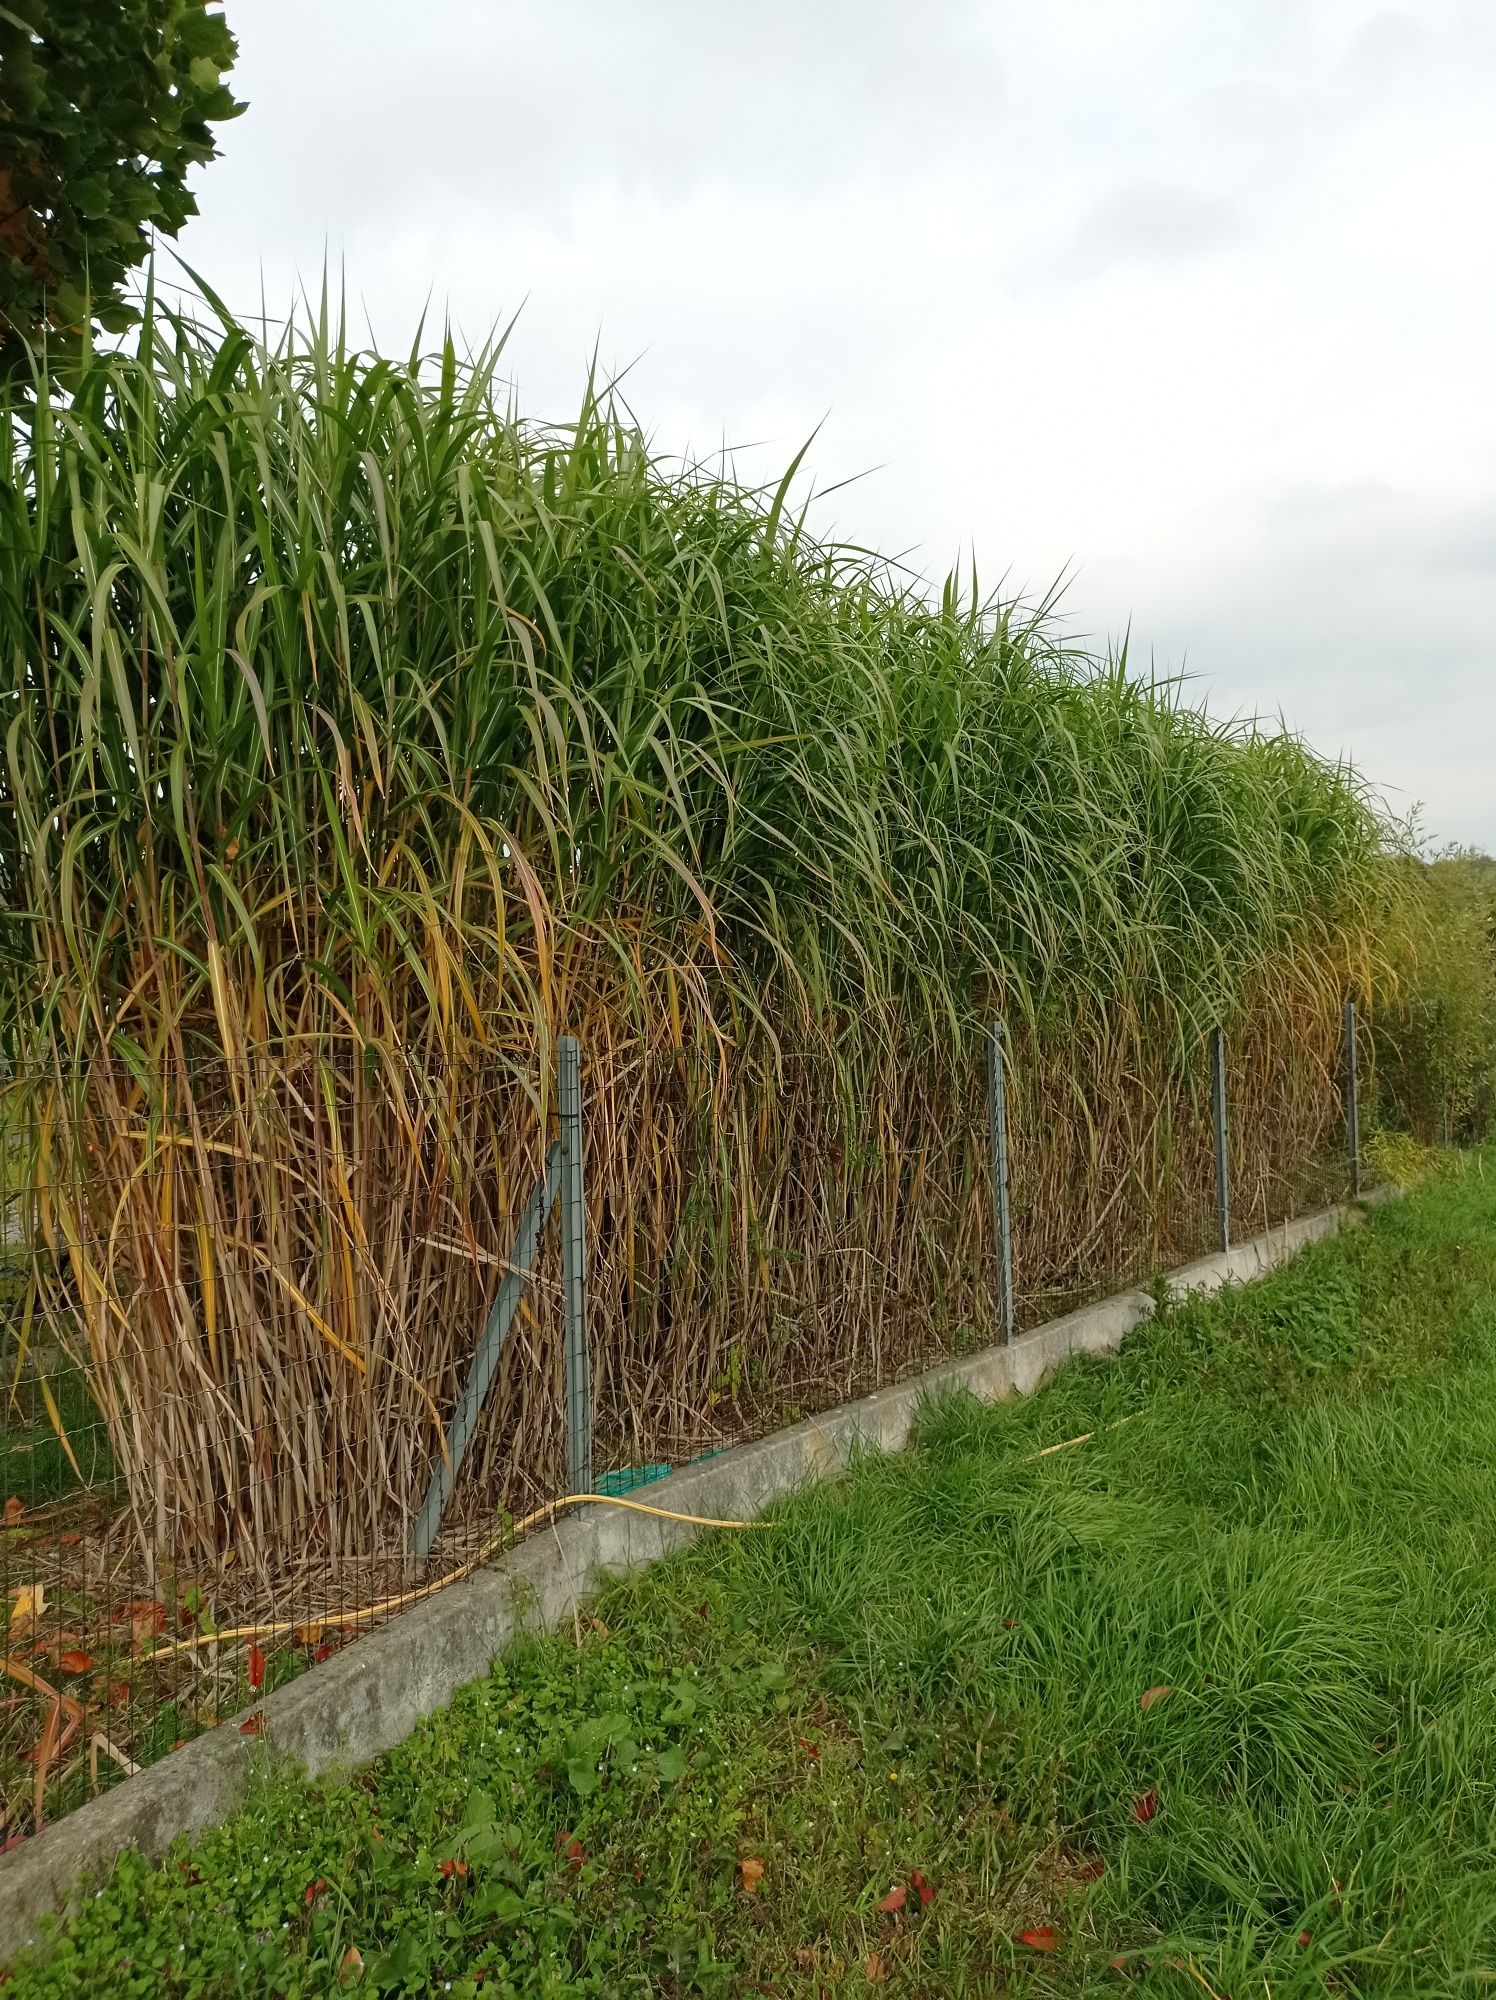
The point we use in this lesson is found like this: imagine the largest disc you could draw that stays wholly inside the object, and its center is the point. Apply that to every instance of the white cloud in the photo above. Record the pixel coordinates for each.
(1196, 299)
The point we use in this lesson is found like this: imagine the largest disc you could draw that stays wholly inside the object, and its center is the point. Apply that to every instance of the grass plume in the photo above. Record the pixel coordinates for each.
(360, 736)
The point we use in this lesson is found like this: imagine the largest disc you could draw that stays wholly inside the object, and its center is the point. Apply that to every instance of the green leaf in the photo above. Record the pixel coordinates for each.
(91, 196)
(405, 1963)
(478, 1808)
(499, 1903)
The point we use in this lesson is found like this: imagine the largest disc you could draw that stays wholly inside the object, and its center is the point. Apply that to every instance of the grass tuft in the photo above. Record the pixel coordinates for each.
(361, 736)
(935, 1668)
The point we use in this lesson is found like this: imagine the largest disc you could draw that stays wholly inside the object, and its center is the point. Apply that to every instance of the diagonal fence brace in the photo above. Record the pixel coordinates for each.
(486, 1360)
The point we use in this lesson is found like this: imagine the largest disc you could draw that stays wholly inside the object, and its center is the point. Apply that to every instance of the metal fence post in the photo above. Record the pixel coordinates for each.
(997, 1131)
(486, 1360)
(574, 1268)
(1223, 1164)
(1352, 1107)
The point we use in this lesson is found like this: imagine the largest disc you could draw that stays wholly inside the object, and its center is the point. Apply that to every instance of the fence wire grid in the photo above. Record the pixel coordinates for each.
(186, 1529)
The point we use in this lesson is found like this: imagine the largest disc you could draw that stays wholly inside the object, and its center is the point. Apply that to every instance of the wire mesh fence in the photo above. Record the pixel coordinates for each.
(239, 1328)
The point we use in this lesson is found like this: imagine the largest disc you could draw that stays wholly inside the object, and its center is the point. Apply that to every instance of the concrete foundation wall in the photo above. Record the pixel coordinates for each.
(371, 1694)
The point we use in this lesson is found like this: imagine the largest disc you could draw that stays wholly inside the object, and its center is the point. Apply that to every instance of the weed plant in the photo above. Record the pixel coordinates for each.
(1205, 1704)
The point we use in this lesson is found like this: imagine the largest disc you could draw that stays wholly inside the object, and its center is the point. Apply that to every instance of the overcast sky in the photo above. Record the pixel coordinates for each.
(1191, 300)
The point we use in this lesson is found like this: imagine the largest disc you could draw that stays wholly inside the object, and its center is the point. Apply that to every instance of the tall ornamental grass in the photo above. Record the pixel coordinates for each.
(1436, 1034)
(360, 736)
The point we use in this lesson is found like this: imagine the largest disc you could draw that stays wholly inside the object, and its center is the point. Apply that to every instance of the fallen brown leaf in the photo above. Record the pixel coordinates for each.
(1150, 1696)
(130, 1608)
(895, 1900)
(752, 1872)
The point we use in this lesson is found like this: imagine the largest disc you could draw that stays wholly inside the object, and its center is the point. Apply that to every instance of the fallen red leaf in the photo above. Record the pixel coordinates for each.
(75, 1662)
(752, 1872)
(451, 1868)
(1144, 1808)
(256, 1669)
(894, 1900)
(254, 1725)
(571, 1849)
(140, 1607)
(1306, 1938)
(15, 1507)
(11, 1841)
(810, 1749)
(147, 1620)
(326, 1650)
(1040, 1938)
(314, 1890)
(1149, 1696)
(1010, 1624)
(70, 1541)
(923, 1889)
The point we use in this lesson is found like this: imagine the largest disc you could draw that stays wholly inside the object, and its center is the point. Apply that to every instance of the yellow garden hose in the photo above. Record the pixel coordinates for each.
(342, 1619)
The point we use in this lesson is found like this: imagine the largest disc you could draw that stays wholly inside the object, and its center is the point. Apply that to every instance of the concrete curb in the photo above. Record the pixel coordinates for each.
(370, 1696)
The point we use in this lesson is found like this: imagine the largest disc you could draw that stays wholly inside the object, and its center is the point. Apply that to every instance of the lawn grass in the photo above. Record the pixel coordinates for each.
(930, 1675)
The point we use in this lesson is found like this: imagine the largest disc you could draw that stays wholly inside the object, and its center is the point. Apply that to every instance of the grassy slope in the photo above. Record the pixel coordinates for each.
(937, 1665)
